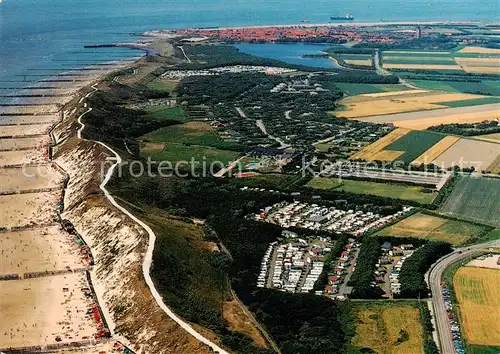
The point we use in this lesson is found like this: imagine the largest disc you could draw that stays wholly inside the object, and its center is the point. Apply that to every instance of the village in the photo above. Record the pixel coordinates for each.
(389, 266)
(236, 69)
(296, 33)
(295, 264)
(321, 218)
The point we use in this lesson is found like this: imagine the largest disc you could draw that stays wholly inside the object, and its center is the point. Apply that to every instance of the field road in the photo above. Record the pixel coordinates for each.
(434, 280)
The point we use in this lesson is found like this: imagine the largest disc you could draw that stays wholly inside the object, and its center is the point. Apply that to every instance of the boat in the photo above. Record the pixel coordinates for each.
(347, 17)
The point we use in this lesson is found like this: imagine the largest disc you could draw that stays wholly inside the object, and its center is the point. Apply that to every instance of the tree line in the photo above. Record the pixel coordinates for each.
(414, 268)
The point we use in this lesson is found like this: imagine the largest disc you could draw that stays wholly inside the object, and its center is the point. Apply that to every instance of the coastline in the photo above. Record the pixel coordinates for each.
(331, 24)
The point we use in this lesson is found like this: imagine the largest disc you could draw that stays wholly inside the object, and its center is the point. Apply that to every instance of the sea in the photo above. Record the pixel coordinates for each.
(37, 35)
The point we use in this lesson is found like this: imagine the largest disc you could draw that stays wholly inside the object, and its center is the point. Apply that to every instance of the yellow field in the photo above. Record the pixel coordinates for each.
(495, 138)
(477, 292)
(376, 148)
(366, 106)
(379, 328)
(479, 50)
(422, 66)
(386, 155)
(414, 52)
(429, 58)
(393, 93)
(421, 120)
(482, 69)
(429, 227)
(365, 62)
(478, 61)
(495, 165)
(431, 154)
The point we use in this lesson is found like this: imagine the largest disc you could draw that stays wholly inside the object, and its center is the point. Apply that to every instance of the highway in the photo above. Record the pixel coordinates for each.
(434, 281)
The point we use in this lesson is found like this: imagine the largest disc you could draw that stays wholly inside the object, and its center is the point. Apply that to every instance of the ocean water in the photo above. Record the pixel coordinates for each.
(290, 53)
(40, 34)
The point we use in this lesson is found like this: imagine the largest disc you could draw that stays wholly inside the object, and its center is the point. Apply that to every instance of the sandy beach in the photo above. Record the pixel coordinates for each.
(28, 209)
(22, 157)
(24, 130)
(37, 250)
(45, 310)
(23, 143)
(24, 120)
(28, 178)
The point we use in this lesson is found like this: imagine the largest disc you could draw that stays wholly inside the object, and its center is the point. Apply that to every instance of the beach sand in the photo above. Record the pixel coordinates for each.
(27, 178)
(23, 157)
(42, 310)
(39, 119)
(23, 143)
(24, 130)
(28, 209)
(37, 250)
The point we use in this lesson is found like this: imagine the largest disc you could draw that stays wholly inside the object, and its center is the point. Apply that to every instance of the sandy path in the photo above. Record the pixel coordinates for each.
(40, 249)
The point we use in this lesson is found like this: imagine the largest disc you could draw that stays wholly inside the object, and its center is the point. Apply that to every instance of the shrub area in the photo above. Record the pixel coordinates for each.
(414, 268)
(362, 278)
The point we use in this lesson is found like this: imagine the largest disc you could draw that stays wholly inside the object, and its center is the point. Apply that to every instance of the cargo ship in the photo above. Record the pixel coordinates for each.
(347, 17)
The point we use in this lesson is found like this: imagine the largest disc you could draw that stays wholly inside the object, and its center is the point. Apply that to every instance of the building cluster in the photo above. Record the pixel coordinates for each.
(293, 266)
(298, 87)
(235, 69)
(390, 253)
(453, 319)
(340, 268)
(264, 266)
(297, 33)
(322, 218)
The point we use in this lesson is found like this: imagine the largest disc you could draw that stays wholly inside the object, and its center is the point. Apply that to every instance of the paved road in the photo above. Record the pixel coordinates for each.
(376, 60)
(434, 280)
(344, 288)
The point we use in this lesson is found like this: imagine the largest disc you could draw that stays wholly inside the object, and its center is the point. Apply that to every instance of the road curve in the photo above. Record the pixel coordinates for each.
(434, 280)
(148, 258)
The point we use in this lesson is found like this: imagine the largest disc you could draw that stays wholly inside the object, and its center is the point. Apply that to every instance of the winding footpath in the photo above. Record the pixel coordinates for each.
(148, 259)
(434, 278)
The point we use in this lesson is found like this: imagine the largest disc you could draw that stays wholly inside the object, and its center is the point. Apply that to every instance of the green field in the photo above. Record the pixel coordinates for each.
(397, 191)
(419, 60)
(162, 85)
(412, 53)
(168, 113)
(359, 89)
(481, 349)
(322, 147)
(488, 87)
(414, 144)
(472, 102)
(435, 228)
(269, 181)
(476, 199)
(185, 141)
